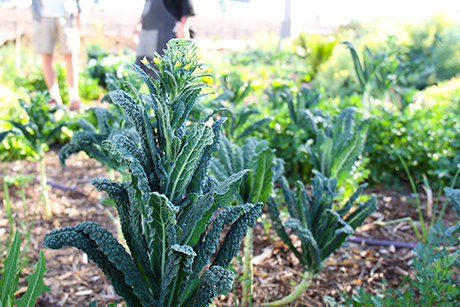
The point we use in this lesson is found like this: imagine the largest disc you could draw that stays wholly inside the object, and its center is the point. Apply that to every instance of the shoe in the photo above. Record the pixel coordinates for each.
(52, 103)
(78, 105)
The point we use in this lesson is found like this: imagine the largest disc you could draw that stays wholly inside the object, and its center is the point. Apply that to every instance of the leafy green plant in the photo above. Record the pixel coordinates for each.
(366, 72)
(168, 209)
(26, 225)
(234, 91)
(426, 146)
(338, 148)
(39, 133)
(437, 272)
(91, 137)
(294, 127)
(10, 278)
(255, 187)
(316, 49)
(320, 229)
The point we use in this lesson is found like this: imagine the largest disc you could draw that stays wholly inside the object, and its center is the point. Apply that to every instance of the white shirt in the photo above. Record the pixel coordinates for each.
(52, 9)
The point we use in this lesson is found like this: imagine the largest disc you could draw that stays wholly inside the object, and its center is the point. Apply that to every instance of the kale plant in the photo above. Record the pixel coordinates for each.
(240, 116)
(337, 149)
(90, 138)
(320, 229)
(171, 211)
(298, 123)
(255, 187)
(39, 133)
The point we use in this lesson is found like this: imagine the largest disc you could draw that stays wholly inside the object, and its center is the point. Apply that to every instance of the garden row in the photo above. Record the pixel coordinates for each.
(190, 165)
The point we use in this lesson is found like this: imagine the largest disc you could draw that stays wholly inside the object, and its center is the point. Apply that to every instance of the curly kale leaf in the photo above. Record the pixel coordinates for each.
(161, 217)
(198, 180)
(253, 154)
(214, 281)
(281, 231)
(454, 197)
(207, 245)
(197, 138)
(102, 248)
(221, 195)
(178, 270)
(320, 229)
(130, 222)
(139, 119)
(231, 244)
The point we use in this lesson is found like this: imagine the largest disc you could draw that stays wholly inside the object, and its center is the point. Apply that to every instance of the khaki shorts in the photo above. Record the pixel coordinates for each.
(51, 31)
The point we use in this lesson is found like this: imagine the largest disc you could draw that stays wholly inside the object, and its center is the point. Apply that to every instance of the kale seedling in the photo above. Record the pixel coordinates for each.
(320, 229)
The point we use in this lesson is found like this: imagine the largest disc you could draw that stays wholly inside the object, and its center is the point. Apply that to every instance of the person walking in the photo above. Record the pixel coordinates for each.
(161, 21)
(57, 22)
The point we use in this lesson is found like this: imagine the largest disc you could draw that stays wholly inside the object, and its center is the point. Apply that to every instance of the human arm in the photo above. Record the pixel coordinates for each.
(80, 16)
(184, 28)
(137, 29)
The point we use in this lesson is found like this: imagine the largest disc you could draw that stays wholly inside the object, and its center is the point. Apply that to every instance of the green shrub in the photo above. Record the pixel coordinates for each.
(437, 272)
(424, 134)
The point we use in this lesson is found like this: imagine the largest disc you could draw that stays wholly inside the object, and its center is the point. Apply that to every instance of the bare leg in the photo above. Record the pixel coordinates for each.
(48, 71)
(71, 63)
(50, 78)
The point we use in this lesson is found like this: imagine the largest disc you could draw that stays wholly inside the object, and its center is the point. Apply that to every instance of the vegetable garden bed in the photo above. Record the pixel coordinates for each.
(76, 281)
(186, 171)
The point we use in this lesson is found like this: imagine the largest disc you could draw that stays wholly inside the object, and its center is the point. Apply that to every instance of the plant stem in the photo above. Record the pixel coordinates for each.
(246, 299)
(435, 205)
(298, 291)
(420, 215)
(111, 174)
(404, 219)
(44, 187)
(452, 185)
(7, 204)
(366, 103)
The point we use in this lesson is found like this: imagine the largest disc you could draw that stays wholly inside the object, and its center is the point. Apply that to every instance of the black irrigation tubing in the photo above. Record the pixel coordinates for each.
(65, 188)
(368, 241)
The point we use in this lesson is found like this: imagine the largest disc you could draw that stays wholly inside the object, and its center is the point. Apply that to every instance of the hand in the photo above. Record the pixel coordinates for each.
(183, 32)
(81, 19)
(135, 37)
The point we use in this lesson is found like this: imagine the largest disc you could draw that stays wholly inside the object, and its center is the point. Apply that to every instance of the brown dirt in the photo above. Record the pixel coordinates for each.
(76, 281)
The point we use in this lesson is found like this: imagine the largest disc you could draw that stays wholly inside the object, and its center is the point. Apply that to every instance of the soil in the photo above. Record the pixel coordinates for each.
(76, 281)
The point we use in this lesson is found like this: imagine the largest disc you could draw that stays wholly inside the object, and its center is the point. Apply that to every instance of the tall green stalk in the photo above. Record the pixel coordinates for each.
(452, 185)
(7, 204)
(247, 283)
(44, 188)
(414, 189)
(298, 291)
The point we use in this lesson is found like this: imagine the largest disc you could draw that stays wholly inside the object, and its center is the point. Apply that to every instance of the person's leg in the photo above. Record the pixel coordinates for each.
(50, 78)
(71, 64)
(69, 44)
(44, 36)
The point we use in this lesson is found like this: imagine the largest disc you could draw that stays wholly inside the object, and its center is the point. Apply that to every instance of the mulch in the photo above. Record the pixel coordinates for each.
(76, 281)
